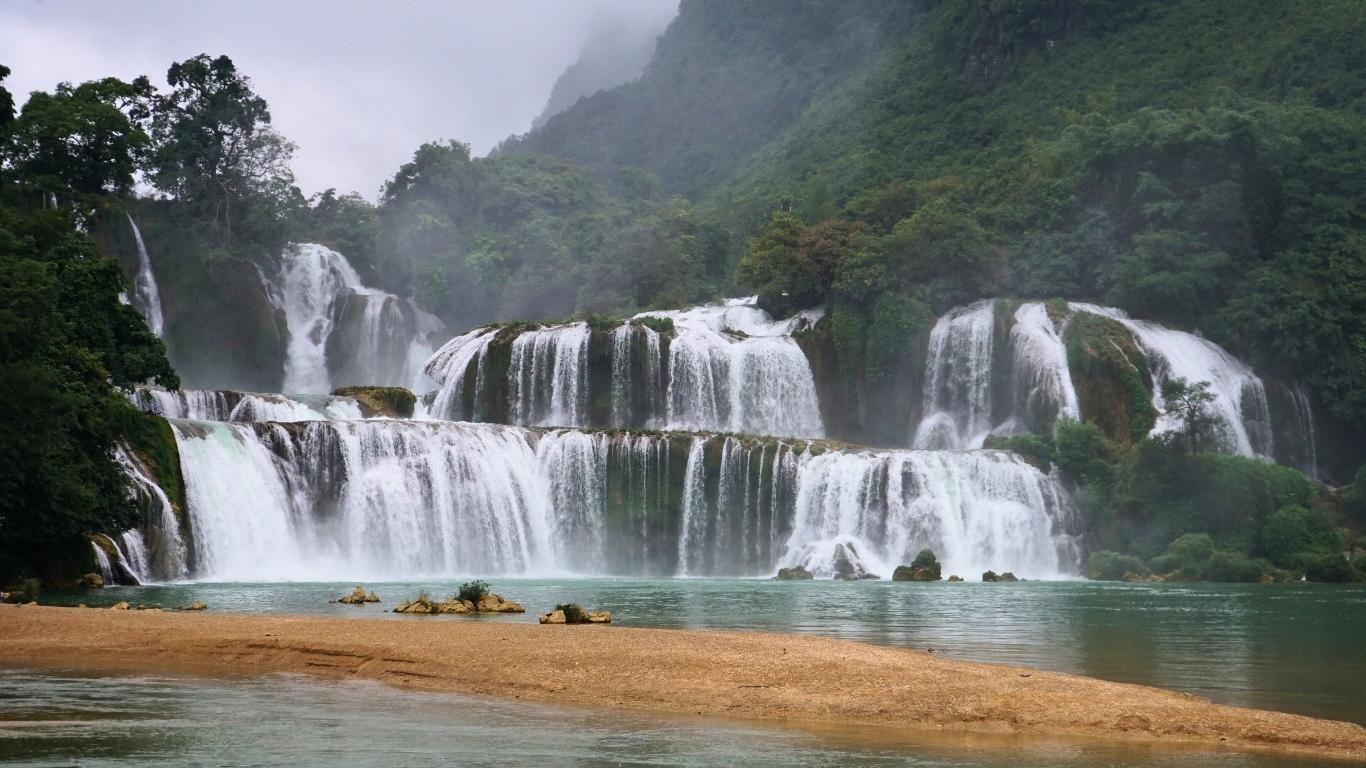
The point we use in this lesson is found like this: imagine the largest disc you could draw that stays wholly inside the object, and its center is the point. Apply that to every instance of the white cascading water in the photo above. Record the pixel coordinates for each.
(165, 559)
(393, 499)
(314, 287)
(145, 285)
(230, 405)
(1040, 377)
(978, 511)
(548, 377)
(625, 366)
(449, 368)
(102, 562)
(1240, 404)
(1304, 415)
(733, 368)
(957, 396)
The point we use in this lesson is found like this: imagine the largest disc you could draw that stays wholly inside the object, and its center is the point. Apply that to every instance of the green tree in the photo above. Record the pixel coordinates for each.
(1189, 403)
(84, 140)
(214, 145)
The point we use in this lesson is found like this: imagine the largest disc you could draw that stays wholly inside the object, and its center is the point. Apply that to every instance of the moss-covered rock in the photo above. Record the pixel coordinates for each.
(1110, 374)
(389, 402)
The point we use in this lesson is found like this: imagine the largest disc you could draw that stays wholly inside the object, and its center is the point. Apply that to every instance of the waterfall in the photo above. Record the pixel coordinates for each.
(1304, 415)
(165, 558)
(102, 562)
(338, 326)
(958, 375)
(978, 510)
(1040, 379)
(392, 499)
(230, 405)
(1243, 421)
(449, 368)
(548, 376)
(733, 368)
(628, 365)
(145, 285)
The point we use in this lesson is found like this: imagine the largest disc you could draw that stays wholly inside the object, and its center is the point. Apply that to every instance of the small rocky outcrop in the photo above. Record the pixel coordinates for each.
(492, 603)
(489, 603)
(1002, 577)
(359, 596)
(196, 606)
(925, 567)
(120, 606)
(573, 613)
(796, 573)
(91, 581)
(848, 565)
(955, 578)
(389, 402)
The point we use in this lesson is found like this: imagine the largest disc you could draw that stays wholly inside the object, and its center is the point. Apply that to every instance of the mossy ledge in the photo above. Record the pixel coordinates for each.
(390, 402)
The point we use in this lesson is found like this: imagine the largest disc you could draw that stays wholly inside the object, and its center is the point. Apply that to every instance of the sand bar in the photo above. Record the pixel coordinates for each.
(753, 676)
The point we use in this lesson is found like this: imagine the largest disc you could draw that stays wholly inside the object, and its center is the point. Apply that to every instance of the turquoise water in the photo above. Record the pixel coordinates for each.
(49, 719)
(1291, 647)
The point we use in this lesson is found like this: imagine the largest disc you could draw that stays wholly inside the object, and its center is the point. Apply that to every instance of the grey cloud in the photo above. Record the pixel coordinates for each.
(357, 85)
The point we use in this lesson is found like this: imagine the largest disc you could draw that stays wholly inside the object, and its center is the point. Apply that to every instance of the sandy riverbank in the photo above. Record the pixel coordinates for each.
(780, 678)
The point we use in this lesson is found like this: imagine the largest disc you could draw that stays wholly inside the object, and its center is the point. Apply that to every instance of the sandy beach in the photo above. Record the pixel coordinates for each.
(755, 676)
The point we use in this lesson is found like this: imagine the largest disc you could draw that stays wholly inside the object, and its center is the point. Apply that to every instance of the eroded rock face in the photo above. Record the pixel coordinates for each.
(793, 574)
(848, 565)
(599, 617)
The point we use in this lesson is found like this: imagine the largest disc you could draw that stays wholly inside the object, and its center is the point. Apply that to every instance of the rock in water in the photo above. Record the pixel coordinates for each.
(358, 597)
(371, 597)
(925, 567)
(990, 576)
(492, 603)
(422, 604)
(793, 574)
(848, 564)
(599, 617)
(1008, 576)
(554, 617)
(92, 581)
(955, 578)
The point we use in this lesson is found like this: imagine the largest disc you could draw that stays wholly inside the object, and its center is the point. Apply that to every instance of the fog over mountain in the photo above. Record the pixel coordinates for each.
(355, 85)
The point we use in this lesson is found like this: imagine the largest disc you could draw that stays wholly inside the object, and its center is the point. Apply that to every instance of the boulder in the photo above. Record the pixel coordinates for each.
(990, 576)
(848, 565)
(955, 578)
(422, 605)
(492, 603)
(359, 597)
(554, 617)
(119, 606)
(454, 606)
(1008, 576)
(196, 606)
(91, 581)
(797, 573)
(388, 402)
(599, 617)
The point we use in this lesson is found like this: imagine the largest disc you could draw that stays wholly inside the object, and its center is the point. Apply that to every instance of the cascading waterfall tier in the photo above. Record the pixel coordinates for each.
(342, 332)
(723, 368)
(231, 405)
(994, 368)
(1242, 415)
(145, 285)
(374, 499)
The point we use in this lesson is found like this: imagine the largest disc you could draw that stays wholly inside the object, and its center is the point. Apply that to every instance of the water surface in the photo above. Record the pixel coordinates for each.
(1291, 647)
(55, 718)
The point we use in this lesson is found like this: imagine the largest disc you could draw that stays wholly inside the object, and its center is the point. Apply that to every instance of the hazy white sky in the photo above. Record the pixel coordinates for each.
(357, 85)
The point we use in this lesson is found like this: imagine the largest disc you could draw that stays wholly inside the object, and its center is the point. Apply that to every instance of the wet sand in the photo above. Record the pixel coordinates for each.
(785, 679)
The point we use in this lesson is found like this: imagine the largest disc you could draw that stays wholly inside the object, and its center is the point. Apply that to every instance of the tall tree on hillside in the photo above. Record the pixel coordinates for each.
(214, 142)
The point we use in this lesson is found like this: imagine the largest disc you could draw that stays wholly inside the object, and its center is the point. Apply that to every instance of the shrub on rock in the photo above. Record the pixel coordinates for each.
(925, 567)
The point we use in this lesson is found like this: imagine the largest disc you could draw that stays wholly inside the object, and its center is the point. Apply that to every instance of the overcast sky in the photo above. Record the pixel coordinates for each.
(357, 85)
